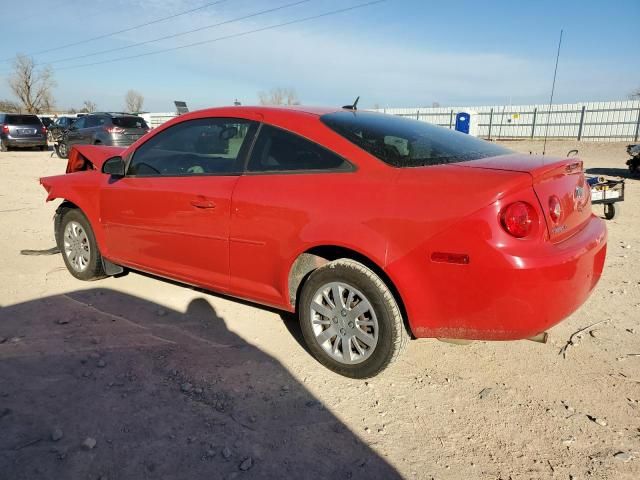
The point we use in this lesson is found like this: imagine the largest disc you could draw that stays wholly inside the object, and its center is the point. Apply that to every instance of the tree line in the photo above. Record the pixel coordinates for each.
(33, 87)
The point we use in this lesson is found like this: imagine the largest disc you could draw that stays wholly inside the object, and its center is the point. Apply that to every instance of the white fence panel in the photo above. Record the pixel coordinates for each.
(602, 121)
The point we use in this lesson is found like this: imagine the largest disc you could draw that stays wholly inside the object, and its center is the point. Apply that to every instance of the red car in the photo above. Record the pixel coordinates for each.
(372, 227)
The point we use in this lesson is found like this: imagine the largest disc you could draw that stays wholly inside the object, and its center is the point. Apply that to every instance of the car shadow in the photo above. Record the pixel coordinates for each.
(164, 395)
(612, 172)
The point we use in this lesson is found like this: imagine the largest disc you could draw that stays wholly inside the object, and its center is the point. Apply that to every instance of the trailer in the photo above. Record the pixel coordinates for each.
(607, 192)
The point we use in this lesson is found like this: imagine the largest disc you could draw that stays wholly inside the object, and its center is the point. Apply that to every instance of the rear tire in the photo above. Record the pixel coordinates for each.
(611, 211)
(364, 332)
(78, 246)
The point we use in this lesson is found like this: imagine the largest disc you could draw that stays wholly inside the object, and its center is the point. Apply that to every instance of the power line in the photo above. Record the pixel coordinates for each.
(234, 35)
(107, 35)
(179, 34)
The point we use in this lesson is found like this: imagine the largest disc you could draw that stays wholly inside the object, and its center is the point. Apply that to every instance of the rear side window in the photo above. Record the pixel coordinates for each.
(96, 121)
(278, 150)
(403, 142)
(130, 122)
(22, 120)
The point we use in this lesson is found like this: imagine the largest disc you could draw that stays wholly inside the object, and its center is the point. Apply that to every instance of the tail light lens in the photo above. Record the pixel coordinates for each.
(555, 209)
(44, 130)
(518, 219)
(114, 130)
(5, 128)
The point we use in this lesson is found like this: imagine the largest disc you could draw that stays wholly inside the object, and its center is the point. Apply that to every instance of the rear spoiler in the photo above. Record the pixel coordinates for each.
(90, 157)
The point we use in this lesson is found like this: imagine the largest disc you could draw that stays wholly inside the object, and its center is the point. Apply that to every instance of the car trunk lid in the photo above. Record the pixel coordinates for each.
(562, 178)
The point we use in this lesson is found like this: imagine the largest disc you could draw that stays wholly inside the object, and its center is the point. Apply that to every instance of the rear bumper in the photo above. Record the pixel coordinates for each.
(25, 142)
(502, 296)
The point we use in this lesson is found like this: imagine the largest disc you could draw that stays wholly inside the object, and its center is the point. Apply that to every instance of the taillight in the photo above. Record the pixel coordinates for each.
(44, 130)
(114, 130)
(5, 128)
(555, 208)
(518, 219)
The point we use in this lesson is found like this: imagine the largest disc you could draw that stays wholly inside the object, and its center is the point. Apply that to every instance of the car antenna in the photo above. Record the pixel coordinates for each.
(353, 107)
(553, 88)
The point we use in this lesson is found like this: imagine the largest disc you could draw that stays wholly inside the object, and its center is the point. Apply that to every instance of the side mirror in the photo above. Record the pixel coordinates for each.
(114, 167)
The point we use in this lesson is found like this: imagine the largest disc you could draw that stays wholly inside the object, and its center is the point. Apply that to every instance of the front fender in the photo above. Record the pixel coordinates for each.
(82, 190)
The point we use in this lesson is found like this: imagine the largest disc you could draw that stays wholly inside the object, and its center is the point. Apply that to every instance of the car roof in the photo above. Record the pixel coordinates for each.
(114, 114)
(266, 109)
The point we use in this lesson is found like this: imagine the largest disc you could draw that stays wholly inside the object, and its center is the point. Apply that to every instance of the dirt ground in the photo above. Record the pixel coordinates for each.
(139, 378)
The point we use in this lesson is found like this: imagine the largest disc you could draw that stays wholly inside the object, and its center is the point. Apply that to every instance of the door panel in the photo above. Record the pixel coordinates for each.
(174, 226)
(170, 214)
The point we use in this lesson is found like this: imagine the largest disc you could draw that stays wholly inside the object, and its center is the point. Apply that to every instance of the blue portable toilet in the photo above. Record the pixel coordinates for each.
(466, 122)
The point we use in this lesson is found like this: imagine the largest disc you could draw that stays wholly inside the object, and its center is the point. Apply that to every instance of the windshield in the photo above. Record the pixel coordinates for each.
(403, 142)
(22, 120)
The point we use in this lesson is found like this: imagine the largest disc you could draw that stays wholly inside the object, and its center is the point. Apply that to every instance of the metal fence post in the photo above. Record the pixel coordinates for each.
(635, 137)
(490, 123)
(451, 120)
(581, 123)
(533, 123)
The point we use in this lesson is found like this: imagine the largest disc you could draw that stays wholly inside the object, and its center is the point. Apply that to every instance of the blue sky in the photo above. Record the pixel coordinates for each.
(396, 53)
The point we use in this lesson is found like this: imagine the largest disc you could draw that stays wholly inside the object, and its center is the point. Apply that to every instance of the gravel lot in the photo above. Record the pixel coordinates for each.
(135, 378)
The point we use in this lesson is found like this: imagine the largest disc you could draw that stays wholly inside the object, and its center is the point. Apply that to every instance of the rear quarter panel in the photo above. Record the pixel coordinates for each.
(446, 209)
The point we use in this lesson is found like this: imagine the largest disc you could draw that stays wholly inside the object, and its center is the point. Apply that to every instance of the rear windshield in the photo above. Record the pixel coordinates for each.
(403, 142)
(22, 120)
(130, 122)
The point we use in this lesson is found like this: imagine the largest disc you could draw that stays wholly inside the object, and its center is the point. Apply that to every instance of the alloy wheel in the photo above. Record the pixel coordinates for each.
(344, 323)
(76, 246)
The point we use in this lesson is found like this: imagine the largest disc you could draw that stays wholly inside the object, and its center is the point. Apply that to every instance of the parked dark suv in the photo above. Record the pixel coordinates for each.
(21, 131)
(112, 129)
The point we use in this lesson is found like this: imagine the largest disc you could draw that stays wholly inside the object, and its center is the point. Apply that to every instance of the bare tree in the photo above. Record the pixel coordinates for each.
(8, 106)
(88, 107)
(133, 101)
(279, 96)
(635, 94)
(33, 86)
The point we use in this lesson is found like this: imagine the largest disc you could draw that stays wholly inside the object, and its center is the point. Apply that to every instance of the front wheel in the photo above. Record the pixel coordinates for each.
(350, 319)
(78, 245)
(62, 149)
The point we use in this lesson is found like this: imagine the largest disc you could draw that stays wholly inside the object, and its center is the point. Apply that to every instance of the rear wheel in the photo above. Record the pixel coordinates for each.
(611, 211)
(350, 319)
(78, 245)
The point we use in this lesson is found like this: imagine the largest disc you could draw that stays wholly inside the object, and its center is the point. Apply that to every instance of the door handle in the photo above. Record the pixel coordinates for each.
(202, 203)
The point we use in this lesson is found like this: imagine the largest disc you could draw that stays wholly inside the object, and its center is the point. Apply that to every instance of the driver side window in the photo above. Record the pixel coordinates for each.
(206, 146)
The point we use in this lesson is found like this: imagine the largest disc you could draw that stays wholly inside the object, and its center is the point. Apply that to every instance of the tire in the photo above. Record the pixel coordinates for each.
(44, 148)
(380, 324)
(611, 211)
(78, 246)
(62, 149)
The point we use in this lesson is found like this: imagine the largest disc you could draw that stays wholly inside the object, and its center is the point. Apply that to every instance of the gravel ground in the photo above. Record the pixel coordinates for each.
(135, 378)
